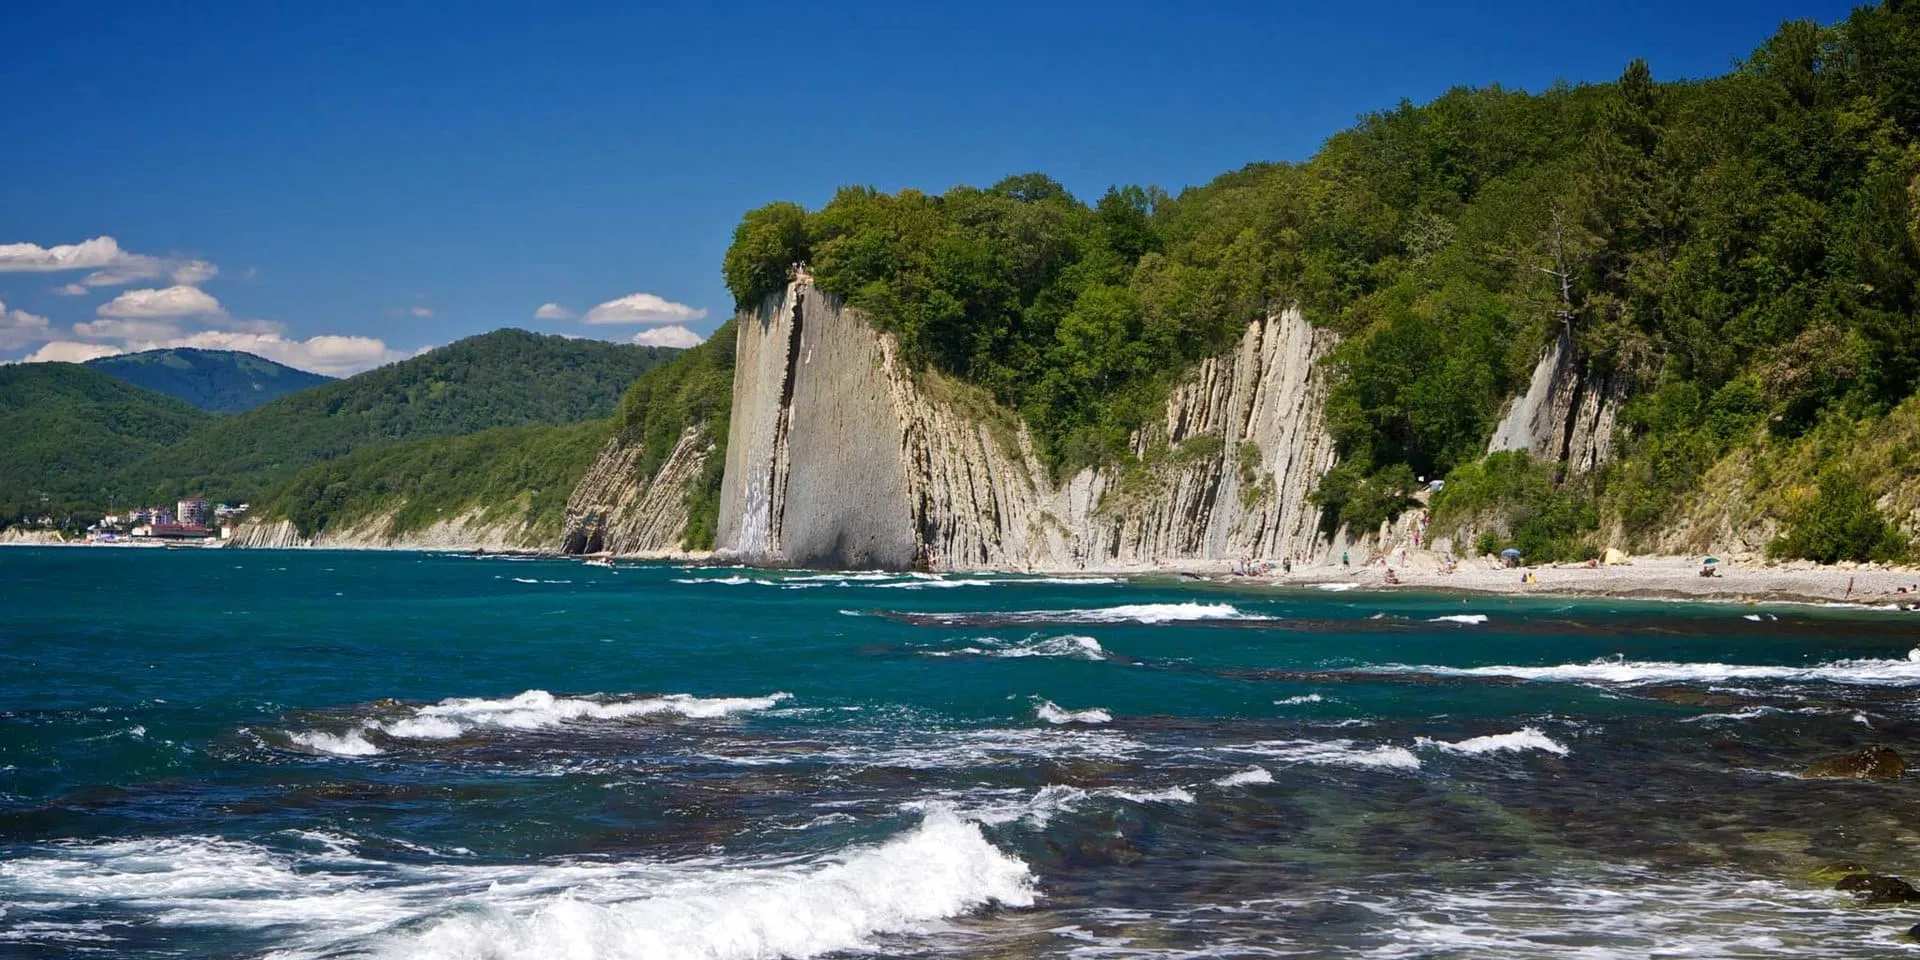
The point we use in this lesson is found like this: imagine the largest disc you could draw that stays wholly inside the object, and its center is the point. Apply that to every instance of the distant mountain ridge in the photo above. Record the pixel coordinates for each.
(66, 428)
(80, 440)
(218, 381)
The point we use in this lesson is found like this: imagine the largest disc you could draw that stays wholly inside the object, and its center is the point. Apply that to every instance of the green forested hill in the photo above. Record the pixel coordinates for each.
(218, 381)
(1743, 251)
(65, 430)
(502, 379)
(530, 469)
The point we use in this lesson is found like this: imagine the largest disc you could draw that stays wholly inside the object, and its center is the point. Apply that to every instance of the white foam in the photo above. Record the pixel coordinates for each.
(943, 868)
(1341, 753)
(1896, 673)
(1467, 618)
(1169, 795)
(708, 908)
(1519, 741)
(1070, 646)
(1250, 775)
(1052, 713)
(1296, 701)
(532, 710)
(538, 709)
(1336, 587)
(353, 743)
(1146, 613)
(920, 584)
(733, 581)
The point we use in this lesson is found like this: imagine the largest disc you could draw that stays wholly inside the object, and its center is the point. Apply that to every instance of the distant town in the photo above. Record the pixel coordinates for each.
(191, 521)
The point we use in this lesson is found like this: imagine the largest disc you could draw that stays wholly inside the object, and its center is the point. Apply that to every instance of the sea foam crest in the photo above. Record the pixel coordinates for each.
(1519, 741)
(1466, 618)
(532, 710)
(1863, 672)
(707, 908)
(1070, 646)
(1052, 713)
(1339, 753)
(943, 868)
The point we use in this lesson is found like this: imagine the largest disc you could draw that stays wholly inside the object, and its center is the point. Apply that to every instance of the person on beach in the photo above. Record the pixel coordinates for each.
(1345, 561)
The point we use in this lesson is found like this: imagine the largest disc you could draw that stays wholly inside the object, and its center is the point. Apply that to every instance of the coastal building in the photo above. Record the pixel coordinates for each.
(192, 512)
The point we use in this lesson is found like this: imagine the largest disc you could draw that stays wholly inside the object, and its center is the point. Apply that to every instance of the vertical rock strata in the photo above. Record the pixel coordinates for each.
(839, 457)
(1567, 413)
(616, 509)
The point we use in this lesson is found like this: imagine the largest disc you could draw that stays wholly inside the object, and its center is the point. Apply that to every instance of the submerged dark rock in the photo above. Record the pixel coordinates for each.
(1873, 888)
(1874, 763)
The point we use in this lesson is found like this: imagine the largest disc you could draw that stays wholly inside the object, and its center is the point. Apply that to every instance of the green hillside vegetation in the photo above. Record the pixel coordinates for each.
(524, 472)
(218, 381)
(695, 389)
(510, 472)
(500, 379)
(64, 427)
(1744, 251)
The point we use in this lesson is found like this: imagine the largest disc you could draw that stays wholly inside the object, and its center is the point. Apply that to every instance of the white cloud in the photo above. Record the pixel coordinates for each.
(93, 254)
(111, 265)
(178, 301)
(68, 351)
(194, 272)
(552, 311)
(19, 328)
(332, 354)
(674, 336)
(422, 312)
(126, 330)
(643, 308)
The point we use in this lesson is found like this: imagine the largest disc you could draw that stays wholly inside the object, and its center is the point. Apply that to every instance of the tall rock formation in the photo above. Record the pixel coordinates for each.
(839, 456)
(1567, 413)
(616, 509)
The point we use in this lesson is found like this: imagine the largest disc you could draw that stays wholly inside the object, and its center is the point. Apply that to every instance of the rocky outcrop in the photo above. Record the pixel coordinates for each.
(504, 531)
(840, 457)
(1567, 414)
(615, 509)
(268, 535)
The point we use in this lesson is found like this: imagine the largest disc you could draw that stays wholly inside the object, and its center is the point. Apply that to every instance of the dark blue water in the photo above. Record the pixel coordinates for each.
(312, 754)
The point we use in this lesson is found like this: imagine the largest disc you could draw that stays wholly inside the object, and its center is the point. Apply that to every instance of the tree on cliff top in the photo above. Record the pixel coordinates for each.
(1700, 233)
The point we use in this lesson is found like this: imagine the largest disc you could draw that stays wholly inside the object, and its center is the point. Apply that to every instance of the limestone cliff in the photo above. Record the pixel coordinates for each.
(496, 530)
(616, 509)
(840, 457)
(1567, 413)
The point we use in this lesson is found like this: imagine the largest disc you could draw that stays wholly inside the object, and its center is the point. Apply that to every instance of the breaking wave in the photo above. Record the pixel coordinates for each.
(1894, 673)
(532, 710)
(1052, 713)
(1071, 646)
(1340, 753)
(1519, 741)
(712, 908)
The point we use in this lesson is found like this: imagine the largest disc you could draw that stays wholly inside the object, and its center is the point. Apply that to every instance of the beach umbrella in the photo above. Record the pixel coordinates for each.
(1510, 553)
(1711, 560)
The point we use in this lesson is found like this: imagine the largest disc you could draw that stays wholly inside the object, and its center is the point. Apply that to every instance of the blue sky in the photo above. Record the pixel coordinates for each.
(336, 185)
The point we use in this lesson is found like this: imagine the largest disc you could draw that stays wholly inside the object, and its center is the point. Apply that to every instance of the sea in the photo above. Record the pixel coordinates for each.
(307, 754)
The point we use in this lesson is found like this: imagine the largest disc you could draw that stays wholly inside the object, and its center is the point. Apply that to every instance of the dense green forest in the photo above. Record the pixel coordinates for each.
(525, 471)
(1742, 250)
(507, 378)
(64, 428)
(218, 381)
(136, 445)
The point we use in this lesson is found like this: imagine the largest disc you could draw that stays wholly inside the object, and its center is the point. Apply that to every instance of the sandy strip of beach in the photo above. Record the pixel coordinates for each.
(1646, 577)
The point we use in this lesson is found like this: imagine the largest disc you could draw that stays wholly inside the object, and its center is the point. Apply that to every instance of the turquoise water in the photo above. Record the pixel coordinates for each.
(314, 754)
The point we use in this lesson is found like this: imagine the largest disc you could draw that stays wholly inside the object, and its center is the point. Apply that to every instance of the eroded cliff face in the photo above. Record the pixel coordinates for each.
(1567, 413)
(471, 530)
(838, 457)
(616, 509)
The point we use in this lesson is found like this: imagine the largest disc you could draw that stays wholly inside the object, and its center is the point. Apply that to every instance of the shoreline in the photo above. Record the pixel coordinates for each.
(1642, 578)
